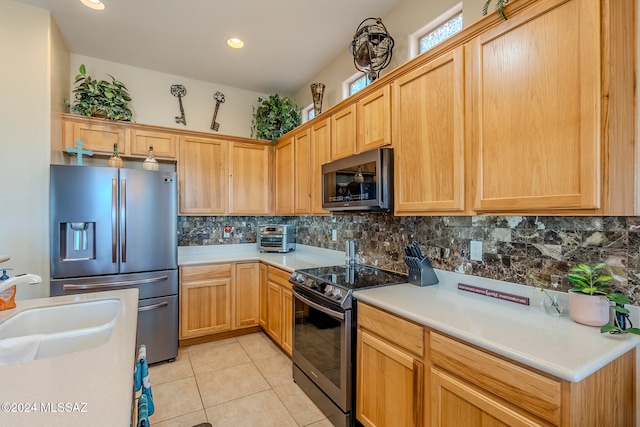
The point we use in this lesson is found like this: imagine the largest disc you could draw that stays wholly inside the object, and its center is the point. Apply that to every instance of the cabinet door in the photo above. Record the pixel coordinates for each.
(343, 132)
(390, 384)
(164, 144)
(428, 115)
(284, 177)
(374, 120)
(263, 296)
(203, 177)
(98, 137)
(247, 295)
(205, 307)
(457, 403)
(249, 179)
(287, 321)
(274, 316)
(320, 154)
(302, 172)
(536, 92)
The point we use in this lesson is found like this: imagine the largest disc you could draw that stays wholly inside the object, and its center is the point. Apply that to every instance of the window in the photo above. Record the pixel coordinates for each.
(355, 83)
(437, 30)
(308, 113)
(441, 33)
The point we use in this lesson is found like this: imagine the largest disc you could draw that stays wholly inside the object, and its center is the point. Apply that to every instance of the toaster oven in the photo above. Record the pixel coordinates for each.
(276, 238)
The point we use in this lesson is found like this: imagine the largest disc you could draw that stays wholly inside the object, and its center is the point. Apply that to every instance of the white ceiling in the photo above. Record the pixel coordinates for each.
(286, 41)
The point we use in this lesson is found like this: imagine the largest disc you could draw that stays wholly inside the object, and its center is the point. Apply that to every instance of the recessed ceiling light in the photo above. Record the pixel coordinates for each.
(235, 43)
(93, 4)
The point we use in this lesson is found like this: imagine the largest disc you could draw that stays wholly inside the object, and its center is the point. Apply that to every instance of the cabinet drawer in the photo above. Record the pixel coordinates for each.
(205, 272)
(281, 277)
(404, 333)
(524, 388)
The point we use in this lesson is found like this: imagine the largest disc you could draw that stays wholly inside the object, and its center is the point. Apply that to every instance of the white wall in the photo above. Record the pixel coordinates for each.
(152, 102)
(25, 136)
(404, 20)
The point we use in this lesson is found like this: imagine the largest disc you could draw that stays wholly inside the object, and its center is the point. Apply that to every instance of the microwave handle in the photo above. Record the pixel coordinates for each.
(325, 310)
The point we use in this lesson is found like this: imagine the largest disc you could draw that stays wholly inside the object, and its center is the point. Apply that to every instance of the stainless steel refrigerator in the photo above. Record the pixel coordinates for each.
(115, 229)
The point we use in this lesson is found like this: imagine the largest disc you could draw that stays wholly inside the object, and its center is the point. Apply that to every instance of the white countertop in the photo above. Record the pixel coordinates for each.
(552, 344)
(97, 381)
(303, 257)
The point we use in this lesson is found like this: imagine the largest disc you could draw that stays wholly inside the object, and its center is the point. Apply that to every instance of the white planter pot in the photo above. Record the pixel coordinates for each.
(591, 310)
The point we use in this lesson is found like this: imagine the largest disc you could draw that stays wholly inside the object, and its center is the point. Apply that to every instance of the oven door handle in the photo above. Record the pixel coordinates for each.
(323, 309)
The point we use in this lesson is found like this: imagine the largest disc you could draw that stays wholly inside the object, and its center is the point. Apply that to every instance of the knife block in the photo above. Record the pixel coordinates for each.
(420, 271)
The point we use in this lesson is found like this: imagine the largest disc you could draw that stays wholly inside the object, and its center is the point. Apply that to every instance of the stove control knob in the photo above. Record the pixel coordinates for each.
(328, 290)
(337, 294)
(313, 284)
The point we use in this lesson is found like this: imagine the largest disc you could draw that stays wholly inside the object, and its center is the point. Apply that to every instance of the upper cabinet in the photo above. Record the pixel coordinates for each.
(302, 172)
(550, 91)
(320, 154)
(429, 137)
(363, 125)
(203, 176)
(343, 132)
(164, 144)
(96, 135)
(284, 176)
(373, 115)
(248, 179)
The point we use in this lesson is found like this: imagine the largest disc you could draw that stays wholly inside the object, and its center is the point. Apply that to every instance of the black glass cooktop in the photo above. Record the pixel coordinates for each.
(354, 276)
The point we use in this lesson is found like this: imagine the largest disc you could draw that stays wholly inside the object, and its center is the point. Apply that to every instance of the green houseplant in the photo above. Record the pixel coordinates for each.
(594, 282)
(100, 98)
(499, 8)
(274, 116)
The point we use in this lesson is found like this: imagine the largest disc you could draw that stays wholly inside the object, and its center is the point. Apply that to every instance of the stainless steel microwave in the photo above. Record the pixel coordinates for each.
(363, 182)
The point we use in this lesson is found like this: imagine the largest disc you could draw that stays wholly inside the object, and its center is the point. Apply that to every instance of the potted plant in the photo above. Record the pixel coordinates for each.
(591, 298)
(100, 98)
(274, 117)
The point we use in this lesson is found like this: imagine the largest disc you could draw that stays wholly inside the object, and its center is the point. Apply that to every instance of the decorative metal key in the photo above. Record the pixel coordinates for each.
(179, 91)
(219, 97)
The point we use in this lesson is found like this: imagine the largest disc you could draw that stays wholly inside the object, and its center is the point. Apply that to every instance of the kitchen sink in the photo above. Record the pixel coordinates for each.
(65, 328)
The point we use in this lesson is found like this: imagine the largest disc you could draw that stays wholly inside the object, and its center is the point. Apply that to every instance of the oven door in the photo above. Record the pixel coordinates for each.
(322, 346)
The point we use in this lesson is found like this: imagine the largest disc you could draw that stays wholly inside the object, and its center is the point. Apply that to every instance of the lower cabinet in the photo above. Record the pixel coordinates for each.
(410, 375)
(390, 370)
(205, 300)
(279, 308)
(225, 297)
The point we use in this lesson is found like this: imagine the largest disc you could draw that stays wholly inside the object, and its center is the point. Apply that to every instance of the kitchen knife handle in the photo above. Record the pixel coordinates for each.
(114, 223)
(123, 219)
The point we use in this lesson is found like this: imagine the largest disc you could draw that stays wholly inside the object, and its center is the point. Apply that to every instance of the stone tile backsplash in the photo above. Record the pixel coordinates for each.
(513, 246)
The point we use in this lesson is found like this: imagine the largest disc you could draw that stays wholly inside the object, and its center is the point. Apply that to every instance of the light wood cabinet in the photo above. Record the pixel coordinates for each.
(205, 300)
(246, 296)
(545, 87)
(284, 176)
(248, 179)
(373, 115)
(429, 137)
(203, 176)
(164, 144)
(320, 154)
(343, 132)
(96, 135)
(280, 308)
(302, 172)
(390, 370)
(263, 296)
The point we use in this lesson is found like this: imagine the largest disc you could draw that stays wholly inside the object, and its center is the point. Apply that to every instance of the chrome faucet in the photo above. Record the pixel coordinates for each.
(22, 279)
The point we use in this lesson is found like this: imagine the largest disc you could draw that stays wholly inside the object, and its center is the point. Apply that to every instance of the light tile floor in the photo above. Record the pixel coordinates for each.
(244, 381)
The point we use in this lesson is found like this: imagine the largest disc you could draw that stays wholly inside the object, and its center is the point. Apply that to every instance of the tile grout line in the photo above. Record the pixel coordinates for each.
(197, 386)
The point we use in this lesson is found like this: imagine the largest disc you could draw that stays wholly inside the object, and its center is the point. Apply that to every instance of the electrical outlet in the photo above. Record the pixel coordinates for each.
(476, 250)
(334, 235)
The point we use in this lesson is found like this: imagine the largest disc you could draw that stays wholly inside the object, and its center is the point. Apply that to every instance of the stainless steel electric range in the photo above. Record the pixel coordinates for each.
(324, 333)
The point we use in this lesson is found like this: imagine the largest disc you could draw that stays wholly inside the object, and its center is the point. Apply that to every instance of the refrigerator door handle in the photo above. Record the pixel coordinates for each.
(114, 219)
(153, 306)
(123, 220)
(88, 286)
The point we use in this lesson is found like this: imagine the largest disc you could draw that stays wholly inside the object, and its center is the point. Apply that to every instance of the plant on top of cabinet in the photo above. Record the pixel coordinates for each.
(100, 98)
(590, 282)
(274, 117)
(499, 8)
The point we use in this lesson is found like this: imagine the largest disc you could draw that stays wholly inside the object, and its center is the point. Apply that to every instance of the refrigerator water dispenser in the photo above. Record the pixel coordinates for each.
(77, 241)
